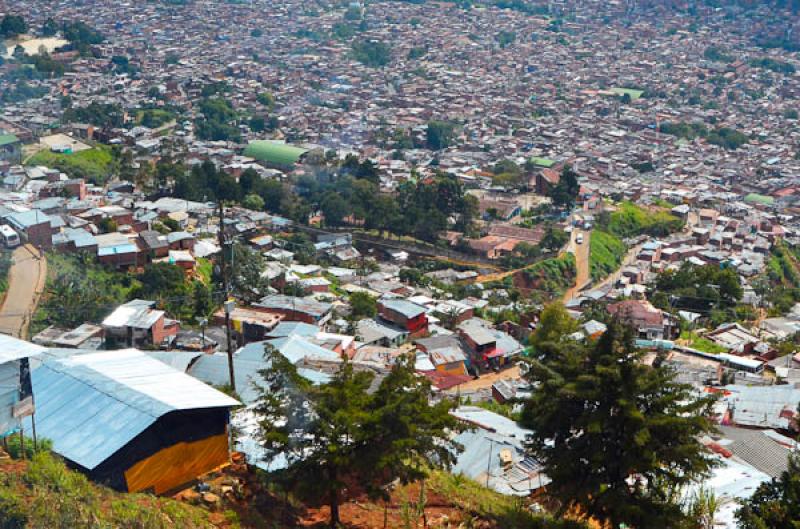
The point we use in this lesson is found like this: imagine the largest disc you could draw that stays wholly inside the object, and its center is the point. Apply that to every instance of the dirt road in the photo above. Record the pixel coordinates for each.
(26, 281)
(486, 381)
(583, 269)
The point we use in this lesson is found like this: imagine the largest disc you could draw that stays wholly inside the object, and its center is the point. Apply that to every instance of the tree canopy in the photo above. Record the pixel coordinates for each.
(440, 135)
(554, 323)
(339, 432)
(12, 26)
(700, 287)
(566, 190)
(372, 53)
(617, 437)
(218, 121)
(775, 505)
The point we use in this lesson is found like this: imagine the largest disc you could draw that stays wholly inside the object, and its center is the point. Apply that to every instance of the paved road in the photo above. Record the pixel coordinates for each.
(581, 252)
(26, 281)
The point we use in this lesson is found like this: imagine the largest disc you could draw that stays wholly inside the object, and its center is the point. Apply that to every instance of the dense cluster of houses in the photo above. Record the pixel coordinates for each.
(568, 91)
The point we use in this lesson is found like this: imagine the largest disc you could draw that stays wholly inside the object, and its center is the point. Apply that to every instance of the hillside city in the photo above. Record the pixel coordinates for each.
(498, 264)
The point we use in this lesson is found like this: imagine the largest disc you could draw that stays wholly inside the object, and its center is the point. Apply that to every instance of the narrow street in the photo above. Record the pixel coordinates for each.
(582, 265)
(26, 282)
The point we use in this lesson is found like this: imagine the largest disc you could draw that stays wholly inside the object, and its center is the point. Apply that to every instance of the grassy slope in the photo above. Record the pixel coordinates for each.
(95, 165)
(783, 276)
(482, 504)
(631, 220)
(45, 494)
(605, 254)
(702, 344)
(552, 276)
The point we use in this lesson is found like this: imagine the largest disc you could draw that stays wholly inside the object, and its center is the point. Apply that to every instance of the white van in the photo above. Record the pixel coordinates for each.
(8, 236)
(579, 238)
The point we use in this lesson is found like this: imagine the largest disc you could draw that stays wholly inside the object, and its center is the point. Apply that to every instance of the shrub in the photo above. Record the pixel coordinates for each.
(12, 511)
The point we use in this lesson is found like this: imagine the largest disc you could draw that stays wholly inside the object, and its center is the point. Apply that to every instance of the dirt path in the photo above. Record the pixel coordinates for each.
(582, 266)
(26, 281)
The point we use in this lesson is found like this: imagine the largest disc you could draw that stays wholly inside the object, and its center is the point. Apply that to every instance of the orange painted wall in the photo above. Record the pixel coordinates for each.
(177, 465)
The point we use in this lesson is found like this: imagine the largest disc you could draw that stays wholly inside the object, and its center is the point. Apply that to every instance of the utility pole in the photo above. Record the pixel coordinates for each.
(227, 304)
(228, 308)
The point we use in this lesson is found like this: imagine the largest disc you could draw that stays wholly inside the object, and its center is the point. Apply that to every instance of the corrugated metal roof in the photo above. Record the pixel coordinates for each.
(117, 250)
(26, 219)
(213, 369)
(289, 328)
(477, 331)
(491, 421)
(14, 349)
(305, 305)
(762, 406)
(402, 306)
(137, 313)
(91, 405)
(8, 139)
(295, 348)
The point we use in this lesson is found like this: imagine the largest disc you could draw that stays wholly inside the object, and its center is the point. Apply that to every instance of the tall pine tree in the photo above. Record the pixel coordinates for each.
(341, 433)
(616, 436)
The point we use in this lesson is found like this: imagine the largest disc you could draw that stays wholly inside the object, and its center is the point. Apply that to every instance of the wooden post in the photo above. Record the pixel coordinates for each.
(33, 425)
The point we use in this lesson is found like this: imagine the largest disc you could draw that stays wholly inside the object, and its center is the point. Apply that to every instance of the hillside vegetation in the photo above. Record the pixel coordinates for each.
(551, 276)
(783, 276)
(607, 249)
(44, 494)
(95, 165)
(605, 254)
(630, 220)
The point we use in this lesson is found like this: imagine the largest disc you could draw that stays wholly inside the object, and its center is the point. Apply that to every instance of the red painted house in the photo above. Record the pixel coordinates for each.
(405, 314)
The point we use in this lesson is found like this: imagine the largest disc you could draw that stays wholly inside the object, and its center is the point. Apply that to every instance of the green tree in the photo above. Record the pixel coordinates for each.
(407, 434)
(12, 26)
(266, 99)
(439, 135)
(372, 53)
(554, 324)
(505, 38)
(166, 284)
(775, 505)
(254, 202)
(202, 299)
(49, 28)
(338, 432)
(566, 191)
(257, 124)
(617, 437)
(218, 120)
(362, 305)
(554, 238)
(245, 271)
(335, 209)
(383, 214)
(508, 173)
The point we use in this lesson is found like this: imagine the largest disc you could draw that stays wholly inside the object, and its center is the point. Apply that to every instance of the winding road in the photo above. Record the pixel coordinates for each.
(26, 282)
